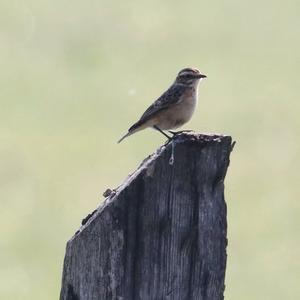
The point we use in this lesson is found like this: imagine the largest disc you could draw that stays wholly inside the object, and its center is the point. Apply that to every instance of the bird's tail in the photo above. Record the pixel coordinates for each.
(133, 129)
(125, 136)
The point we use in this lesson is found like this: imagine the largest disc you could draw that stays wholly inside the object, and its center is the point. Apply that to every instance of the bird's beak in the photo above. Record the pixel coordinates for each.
(201, 76)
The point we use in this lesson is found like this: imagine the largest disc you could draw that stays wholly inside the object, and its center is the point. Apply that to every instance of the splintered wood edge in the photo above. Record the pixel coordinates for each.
(146, 163)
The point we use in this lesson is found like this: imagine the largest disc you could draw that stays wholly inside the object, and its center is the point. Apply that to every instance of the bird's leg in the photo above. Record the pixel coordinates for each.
(177, 132)
(158, 129)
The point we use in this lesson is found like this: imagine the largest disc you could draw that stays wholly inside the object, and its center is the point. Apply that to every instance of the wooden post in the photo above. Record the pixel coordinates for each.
(161, 234)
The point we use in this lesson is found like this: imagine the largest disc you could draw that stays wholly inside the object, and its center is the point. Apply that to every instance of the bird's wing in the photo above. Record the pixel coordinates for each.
(168, 98)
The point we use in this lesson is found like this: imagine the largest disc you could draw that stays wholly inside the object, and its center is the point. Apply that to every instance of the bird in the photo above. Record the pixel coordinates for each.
(174, 107)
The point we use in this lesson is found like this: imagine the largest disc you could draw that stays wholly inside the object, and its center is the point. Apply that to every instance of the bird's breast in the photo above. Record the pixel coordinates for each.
(187, 105)
(180, 113)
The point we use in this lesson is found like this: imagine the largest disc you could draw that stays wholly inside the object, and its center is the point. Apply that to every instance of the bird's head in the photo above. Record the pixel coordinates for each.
(189, 76)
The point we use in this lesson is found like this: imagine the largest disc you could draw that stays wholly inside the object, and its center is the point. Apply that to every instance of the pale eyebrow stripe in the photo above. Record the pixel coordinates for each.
(186, 73)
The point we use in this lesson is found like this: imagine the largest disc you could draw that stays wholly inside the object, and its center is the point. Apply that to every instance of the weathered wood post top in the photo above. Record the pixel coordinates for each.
(161, 234)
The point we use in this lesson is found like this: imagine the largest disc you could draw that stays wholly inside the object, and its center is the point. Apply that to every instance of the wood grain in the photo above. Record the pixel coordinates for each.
(161, 234)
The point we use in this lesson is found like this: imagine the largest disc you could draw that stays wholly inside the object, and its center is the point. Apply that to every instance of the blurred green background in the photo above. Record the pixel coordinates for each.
(75, 74)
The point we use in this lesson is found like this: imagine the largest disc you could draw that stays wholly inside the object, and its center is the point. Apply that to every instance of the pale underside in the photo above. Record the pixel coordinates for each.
(174, 116)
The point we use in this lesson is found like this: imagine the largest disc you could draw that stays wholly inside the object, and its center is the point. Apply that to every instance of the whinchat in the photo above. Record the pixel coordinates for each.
(174, 107)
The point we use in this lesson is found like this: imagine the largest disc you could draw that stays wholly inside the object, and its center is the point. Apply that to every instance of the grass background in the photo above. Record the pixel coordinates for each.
(74, 75)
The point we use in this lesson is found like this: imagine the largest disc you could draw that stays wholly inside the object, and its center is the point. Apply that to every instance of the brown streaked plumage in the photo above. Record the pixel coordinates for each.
(174, 107)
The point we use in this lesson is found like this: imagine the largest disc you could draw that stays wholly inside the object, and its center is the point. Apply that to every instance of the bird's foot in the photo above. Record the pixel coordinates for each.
(169, 139)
